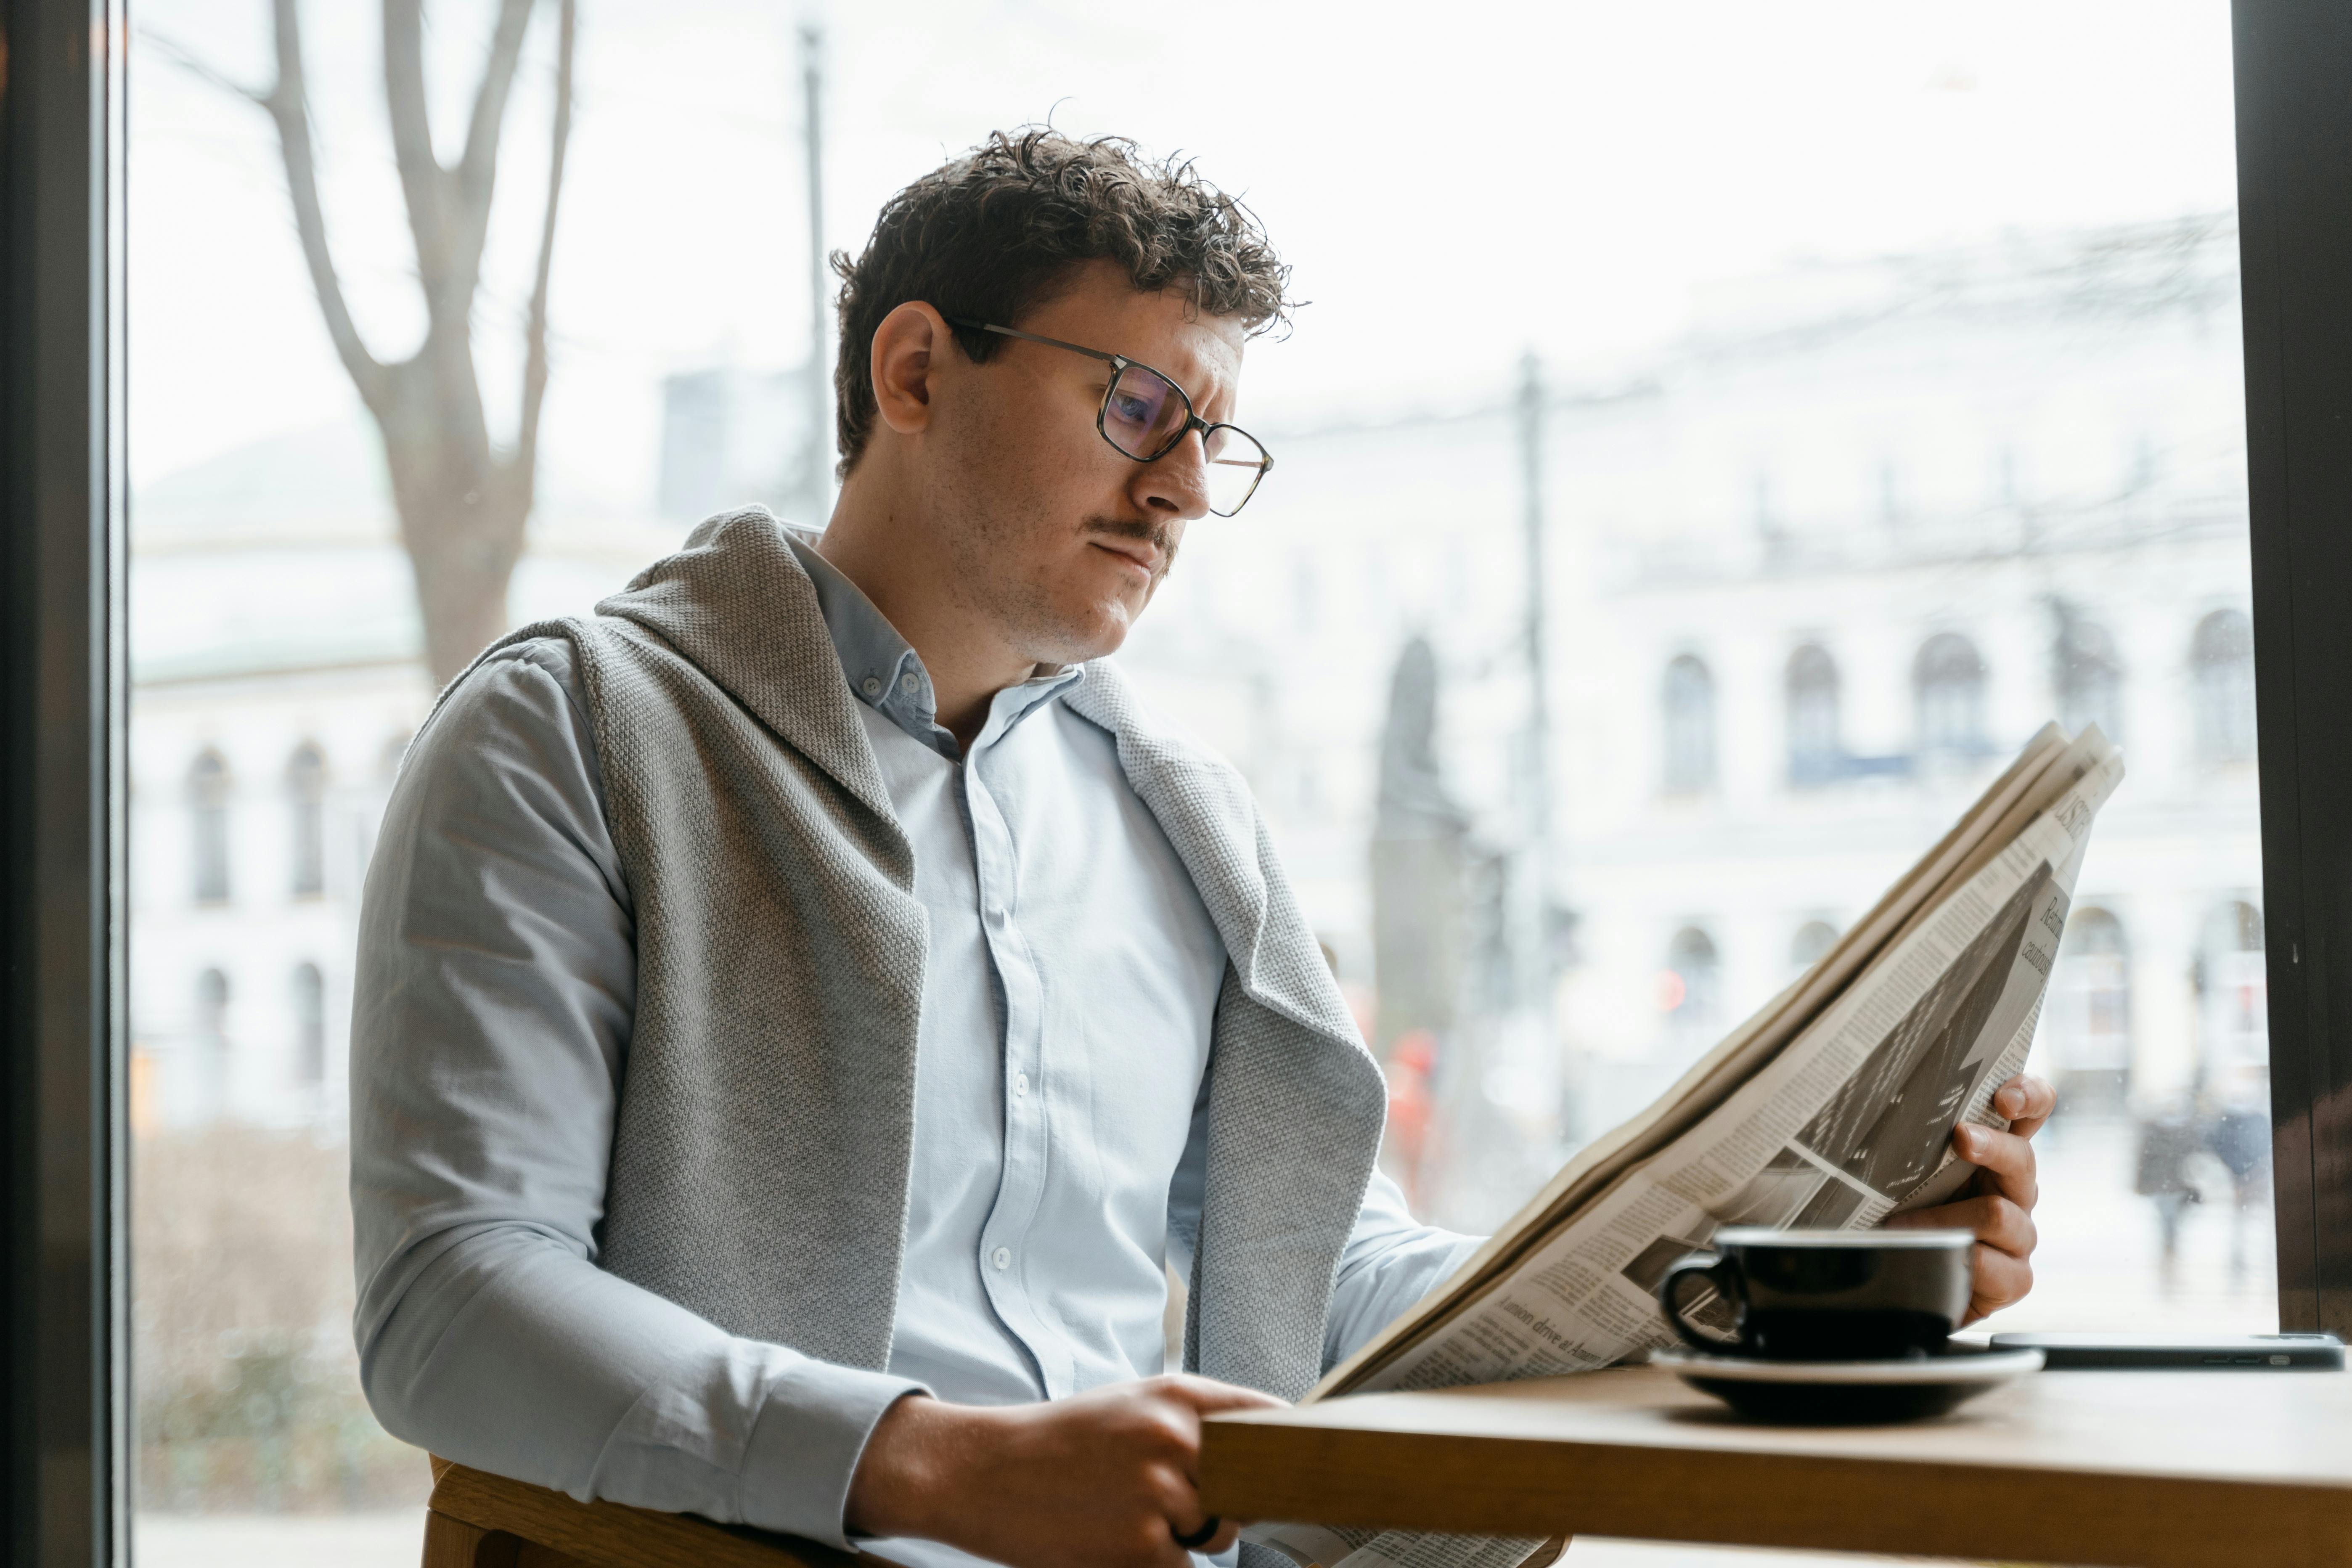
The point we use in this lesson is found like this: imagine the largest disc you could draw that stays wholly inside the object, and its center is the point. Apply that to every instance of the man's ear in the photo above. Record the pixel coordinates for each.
(908, 346)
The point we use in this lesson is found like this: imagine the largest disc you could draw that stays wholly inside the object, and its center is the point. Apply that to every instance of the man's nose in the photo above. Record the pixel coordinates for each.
(1176, 484)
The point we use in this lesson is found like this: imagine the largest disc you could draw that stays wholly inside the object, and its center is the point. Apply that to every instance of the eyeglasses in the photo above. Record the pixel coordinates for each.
(1144, 414)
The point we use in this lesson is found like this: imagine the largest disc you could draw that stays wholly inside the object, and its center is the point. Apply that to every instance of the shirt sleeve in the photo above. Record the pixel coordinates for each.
(493, 1002)
(1390, 1260)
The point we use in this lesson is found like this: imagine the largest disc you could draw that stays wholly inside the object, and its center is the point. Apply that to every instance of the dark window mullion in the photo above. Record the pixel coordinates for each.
(2293, 63)
(61, 886)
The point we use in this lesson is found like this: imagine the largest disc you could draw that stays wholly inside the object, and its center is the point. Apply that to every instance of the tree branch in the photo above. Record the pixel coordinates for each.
(477, 166)
(534, 371)
(188, 60)
(289, 108)
(423, 181)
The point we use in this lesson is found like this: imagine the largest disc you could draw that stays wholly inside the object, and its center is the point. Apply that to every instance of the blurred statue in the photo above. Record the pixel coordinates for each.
(1417, 865)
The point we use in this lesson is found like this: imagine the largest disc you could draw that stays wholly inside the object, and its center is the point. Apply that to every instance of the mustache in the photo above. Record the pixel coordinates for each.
(1155, 534)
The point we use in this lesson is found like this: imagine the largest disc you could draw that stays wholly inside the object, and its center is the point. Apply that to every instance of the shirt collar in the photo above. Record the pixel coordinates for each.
(887, 674)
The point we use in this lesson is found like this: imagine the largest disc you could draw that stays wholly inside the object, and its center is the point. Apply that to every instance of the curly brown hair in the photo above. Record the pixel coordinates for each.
(995, 234)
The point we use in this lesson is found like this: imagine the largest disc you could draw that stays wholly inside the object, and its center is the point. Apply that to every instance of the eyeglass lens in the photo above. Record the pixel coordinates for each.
(1143, 417)
(1144, 413)
(1236, 465)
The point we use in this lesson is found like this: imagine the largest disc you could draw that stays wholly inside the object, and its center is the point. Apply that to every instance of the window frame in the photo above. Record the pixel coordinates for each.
(62, 786)
(2292, 62)
(62, 502)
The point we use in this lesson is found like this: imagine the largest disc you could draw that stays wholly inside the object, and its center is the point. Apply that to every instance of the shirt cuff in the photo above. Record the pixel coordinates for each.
(807, 1443)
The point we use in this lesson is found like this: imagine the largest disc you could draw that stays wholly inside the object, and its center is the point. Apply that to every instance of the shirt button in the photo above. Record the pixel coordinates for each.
(871, 686)
(907, 683)
(1021, 1085)
(1002, 1258)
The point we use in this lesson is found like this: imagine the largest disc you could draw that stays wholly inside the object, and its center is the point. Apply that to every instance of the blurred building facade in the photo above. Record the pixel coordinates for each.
(1815, 572)
(276, 683)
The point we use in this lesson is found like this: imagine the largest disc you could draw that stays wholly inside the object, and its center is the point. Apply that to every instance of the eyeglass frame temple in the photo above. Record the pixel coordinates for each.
(1120, 363)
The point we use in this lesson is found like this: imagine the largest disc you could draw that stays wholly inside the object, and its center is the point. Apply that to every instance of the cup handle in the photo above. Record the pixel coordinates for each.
(1716, 1270)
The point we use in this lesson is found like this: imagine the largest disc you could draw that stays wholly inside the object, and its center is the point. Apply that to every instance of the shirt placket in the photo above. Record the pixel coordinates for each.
(1007, 1238)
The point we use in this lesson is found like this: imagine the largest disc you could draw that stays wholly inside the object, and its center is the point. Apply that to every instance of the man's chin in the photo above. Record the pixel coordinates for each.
(1101, 631)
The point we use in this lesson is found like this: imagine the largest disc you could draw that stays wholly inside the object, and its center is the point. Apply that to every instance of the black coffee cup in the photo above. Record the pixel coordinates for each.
(1825, 1295)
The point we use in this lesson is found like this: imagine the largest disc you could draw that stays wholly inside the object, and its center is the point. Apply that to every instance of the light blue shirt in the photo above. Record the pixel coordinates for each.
(1061, 1092)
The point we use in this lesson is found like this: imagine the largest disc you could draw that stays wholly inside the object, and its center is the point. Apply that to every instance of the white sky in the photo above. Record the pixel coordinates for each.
(1452, 182)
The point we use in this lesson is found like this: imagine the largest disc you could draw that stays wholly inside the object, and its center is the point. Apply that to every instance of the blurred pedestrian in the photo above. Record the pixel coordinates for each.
(2240, 1139)
(2167, 1144)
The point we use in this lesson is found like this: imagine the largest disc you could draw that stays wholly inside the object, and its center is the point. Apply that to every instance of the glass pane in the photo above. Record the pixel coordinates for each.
(1880, 402)
(1920, 445)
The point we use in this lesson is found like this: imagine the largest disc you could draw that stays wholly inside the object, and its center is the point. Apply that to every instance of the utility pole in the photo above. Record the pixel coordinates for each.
(819, 477)
(1531, 431)
(1534, 904)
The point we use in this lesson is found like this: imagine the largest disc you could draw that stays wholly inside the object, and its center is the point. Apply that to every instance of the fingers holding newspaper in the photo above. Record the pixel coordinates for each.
(1998, 1204)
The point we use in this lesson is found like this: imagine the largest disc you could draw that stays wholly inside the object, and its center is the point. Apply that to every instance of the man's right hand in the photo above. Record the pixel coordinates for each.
(1106, 1479)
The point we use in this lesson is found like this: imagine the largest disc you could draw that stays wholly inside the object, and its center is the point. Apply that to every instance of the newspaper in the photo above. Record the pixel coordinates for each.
(1832, 1107)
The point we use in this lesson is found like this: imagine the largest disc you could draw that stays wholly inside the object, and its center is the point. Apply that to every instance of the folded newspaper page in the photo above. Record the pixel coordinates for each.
(1832, 1107)
(1312, 1546)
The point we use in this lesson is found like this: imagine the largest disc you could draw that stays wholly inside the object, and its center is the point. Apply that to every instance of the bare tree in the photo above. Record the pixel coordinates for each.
(462, 501)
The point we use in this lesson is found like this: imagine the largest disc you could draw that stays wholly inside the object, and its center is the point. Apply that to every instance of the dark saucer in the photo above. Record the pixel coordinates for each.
(1850, 1392)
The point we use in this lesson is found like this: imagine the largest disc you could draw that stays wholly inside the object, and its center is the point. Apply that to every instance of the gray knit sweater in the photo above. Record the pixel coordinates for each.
(760, 1163)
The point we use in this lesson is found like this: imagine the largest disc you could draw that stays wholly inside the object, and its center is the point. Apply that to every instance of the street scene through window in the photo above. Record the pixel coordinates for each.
(1712, 447)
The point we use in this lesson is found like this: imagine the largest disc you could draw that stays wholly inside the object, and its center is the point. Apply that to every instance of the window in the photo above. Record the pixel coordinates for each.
(206, 1081)
(2222, 665)
(2233, 1061)
(305, 795)
(2087, 675)
(1948, 685)
(2087, 1037)
(310, 1027)
(1813, 939)
(208, 846)
(1815, 752)
(2232, 1112)
(1690, 989)
(1945, 406)
(1690, 727)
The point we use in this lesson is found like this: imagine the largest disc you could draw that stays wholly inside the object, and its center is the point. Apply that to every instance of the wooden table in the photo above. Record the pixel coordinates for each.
(2125, 1469)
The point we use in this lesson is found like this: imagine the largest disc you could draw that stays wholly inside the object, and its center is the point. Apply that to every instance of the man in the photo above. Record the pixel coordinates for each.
(804, 1008)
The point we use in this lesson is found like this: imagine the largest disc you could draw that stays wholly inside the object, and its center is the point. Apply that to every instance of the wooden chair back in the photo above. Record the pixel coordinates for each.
(480, 1520)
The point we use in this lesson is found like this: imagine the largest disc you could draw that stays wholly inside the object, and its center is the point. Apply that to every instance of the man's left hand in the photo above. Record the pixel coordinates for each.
(1998, 1203)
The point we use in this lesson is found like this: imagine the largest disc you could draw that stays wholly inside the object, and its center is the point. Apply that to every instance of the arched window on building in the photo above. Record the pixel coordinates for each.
(1947, 684)
(1816, 750)
(2090, 678)
(306, 796)
(310, 1025)
(209, 1058)
(1690, 727)
(1813, 939)
(2222, 665)
(1690, 988)
(2087, 1030)
(208, 792)
(2233, 1012)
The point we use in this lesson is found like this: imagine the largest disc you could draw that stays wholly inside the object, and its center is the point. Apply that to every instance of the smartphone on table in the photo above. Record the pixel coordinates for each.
(2235, 1352)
